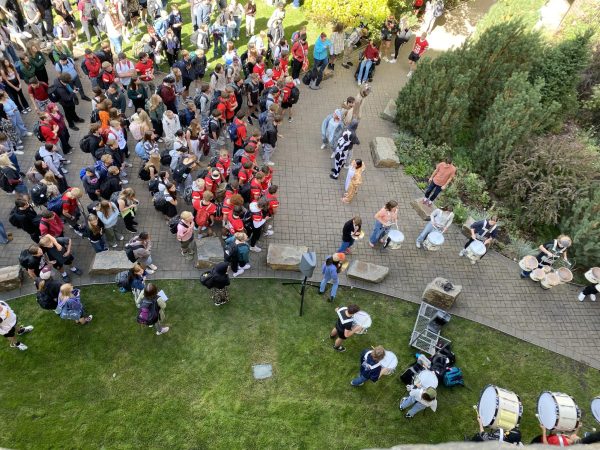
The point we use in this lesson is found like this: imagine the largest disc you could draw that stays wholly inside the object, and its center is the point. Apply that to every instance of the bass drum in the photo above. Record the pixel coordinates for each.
(363, 320)
(499, 408)
(389, 361)
(596, 408)
(558, 411)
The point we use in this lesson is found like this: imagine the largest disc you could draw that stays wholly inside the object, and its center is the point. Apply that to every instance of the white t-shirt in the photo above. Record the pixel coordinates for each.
(8, 318)
(122, 68)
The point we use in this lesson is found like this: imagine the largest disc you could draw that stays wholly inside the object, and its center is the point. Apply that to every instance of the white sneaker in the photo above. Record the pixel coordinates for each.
(270, 163)
(323, 146)
(581, 297)
(115, 245)
(593, 297)
(332, 155)
(246, 267)
(121, 238)
(20, 346)
(269, 232)
(256, 249)
(418, 244)
(239, 272)
(359, 83)
(163, 330)
(149, 271)
(152, 267)
(461, 253)
(24, 330)
(409, 74)
(29, 133)
(124, 182)
(130, 104)
(19, 152)
(66, 162)
(270, 227)
(65, 171)
(392, 61)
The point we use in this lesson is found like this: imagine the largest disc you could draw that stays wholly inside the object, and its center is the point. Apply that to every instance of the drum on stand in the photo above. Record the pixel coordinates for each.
(593, 275)
(558, 411)
(475, 251)
(499, 408)
(596, 408)
(389, 361)
(550, 280)
(394, 239)
(426, 379)
(363, 320)
(528, 263)
(434, 241)
(564, 275)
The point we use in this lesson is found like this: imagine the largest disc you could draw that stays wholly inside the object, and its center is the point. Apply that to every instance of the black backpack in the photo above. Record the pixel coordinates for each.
(148, 312)
(153, 185)
(262, 101)
(94, 116)
(244, 191)
(181, 172)
(122, 280)
(129, 249)
(38, 132)
(159, 201)
(39, 194)
(45, 301)
(84, 144)
(206, 279)
(165, 158)
(174, 222)
(144, 174)
(24, 259)
(294, 95)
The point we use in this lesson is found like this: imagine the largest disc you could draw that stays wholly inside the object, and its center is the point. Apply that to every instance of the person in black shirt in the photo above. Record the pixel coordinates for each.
(220, 281)
(344, 326)
(24, 217)
(57, 252)
(350, 232)
(34, 262)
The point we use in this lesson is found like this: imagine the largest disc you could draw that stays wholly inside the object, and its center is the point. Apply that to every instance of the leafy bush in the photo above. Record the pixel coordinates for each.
(348, 12)
(504, 11)
(473, 187)
(417, 157)
(583, 225)
(543, 178)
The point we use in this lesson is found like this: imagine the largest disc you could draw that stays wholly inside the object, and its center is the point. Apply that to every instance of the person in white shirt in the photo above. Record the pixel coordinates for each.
(125, 70)
(419, 399)
(9, 328)
(171, 125)
(441, 219)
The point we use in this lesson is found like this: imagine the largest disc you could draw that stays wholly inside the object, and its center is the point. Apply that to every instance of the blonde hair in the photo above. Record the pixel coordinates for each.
(241, 236)
(143, 117)
(378, 353)
(46, 240)
(154, 101)
(187, 216)
(76, 192)
(128, 193)
(6, 162)
(66, 289)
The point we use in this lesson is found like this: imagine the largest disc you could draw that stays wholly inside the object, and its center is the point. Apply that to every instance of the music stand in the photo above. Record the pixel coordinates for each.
(308, 262)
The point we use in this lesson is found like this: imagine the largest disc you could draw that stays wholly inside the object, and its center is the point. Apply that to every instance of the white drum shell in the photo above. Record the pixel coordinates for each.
(558, 411)
(593, 275)
(395, 239)
(475, 250)
(499, 408)
(434, 241)
(528, 263)
(389, 361)
(362, 319)
(426, 378)
(595, 406)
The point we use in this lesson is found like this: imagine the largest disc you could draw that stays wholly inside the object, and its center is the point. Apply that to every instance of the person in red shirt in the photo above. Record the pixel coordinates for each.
(245, 174)
(205, 213)
(300, 56)
(224, 164)
(51, 224)
(145, 69)
(93, 66)
(70, 209)
(107, 75)
(242, 132)
(227, 104)
(273, 202)
(419, 48)
(249, 155)
(49, 129)
(235, 222)
(283, 61)
(211, 181)
(256, 186)
(558, 440)
(232, 199)
(276, 71)
(287, 101)
(268, 176)
(371, 56)
(259, 67)
(38, 91)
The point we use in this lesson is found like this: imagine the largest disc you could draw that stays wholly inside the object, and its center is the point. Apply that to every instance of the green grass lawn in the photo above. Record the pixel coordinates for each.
(114, 384)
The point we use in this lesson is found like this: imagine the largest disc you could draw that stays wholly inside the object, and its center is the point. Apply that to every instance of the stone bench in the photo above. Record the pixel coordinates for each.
(110, 262)
(424, 211)
(389, 113)
(436, 296)
(285, 257)
(209, 251)
(383, 152)
(10, 278)
(366, 271)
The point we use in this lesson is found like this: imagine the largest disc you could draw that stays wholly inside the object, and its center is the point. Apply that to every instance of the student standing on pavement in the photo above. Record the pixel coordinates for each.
(58, 253)
(353, 180)
(9, 328)
(350, 232)
(321, 57)
(384, 219)
(419, 48)
(299, 57)
(440, 220)
(268, 139)
(401, 37)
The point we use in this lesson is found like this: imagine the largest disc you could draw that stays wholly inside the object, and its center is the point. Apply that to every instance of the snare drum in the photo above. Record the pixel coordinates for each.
(362, 319)
(475, 251)
(596, 409)
(389, 361)
(434, 241)
(564, 275)
(593, 275)
(426, 379)
(550, 280)
(499, 408)
(394, 240)
(558, 411)
(528, 263)
(537, 274)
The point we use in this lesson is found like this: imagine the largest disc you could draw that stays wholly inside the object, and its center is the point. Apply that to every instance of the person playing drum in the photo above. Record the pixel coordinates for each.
(556, 439)
(550, 252)
(370, 366)
(484, 231)
(513, 436)
(344, 327)
(441, 219)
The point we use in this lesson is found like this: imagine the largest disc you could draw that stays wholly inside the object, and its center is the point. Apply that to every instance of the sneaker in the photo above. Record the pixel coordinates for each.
(130, 103)
(66, 162)
(270, 163)
(268, 233)
(124, 182)
(163, 330)
(332, 155)
(392, 61)
(418, 244)
(152, 267)
(400, 404)
(65, 171)
(121, 238)
(408, 416)
(359, 83)
(250, 120)
(462, 252)
(340, 349)
(238, 273)
(270, 227)
(149, 271)
(20, 147)
(246, 266)
(581, 297)
(331, 299)
(314, 87)
(19, 345)
(409, 74)
(29, 133)
(25, 330)
(66, 278)
(115, 245)
(345, 66)
(290, 119)
(25, 111)
(357, 384)
(385, 58)
(592, 297)
(256, 249)
(76, 271)
(78, 233)
(19, 152)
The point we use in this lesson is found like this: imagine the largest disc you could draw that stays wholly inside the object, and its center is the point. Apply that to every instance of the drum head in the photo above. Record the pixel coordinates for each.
(593, 275)
(487, 405)
(537, 275)
(478, 248)
(396, 236)
(564, 274)
(389, 361)
(436, 238)
(362, 319)
(427, 378)
(596, 409)
(547, 410)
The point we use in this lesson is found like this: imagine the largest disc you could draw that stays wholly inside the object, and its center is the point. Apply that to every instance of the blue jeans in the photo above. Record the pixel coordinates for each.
(363, 72)
(319, 68)
(3, 236)
(416, 406)
(219, 48)
(238, 24)
(345, 245)
(99, 246)
(267, 152)
(15, 161)
(324, 282)
(358, 380)
(117, 43)
(378, 231)
(296, 3)
(18, 124)
(428, 229)
(432, 191)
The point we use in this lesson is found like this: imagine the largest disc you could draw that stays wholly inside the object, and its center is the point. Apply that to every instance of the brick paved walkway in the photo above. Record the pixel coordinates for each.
(312, 214)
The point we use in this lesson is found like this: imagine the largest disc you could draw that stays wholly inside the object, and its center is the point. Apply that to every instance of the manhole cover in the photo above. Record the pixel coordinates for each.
(262, 371)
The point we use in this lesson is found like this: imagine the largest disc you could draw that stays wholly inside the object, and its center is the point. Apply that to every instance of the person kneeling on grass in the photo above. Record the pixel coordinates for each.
(9, 327)
(419, 398)
(70, 306)
(151, 309)
(370, 366)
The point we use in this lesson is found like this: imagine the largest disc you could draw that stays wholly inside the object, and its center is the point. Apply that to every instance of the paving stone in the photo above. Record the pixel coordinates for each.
(209, 251)
(389, 113)
(110, 262)
(383, 152)
(436, 295)
(285, 257)
(10, 278)
(367, 271)
(424, 211)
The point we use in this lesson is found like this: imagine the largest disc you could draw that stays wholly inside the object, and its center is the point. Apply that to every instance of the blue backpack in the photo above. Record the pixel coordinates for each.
(232, 129)
(55, 205)
(453, 377)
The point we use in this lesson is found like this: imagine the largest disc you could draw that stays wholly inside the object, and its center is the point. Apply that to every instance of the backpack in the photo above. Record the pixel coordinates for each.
(104, 85)
(216, 100)
(173, 223)
(232, 130)
(39, 194)
(24, 259)
(144, 174)
(71, 309)
(187, 195)
(55, 205)
(94, 116)
(262, 101)
(244, 191)
(159, 200)
(165, 158)
(148, 312)
(453, 377)
(262, 119)
(45, 301)
(38, 132)
(114, 198)
(206, 279)
(52, 94)
(84, 68)
(247, 219)
(294, 95)
(122, 280)
(129, 249)
(202, 217)
(84, 144)
(153, 186)
(181, 172)
(230, 250)
(201, 99)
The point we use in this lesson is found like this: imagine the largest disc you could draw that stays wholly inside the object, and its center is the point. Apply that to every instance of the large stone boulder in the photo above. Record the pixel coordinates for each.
(367, 271)
(424, 211)
(285, 257)
(110, 262)
(209, 251)
(10, 278)
(466, 227)
(389, 113)
(437, 296)
(383, 152)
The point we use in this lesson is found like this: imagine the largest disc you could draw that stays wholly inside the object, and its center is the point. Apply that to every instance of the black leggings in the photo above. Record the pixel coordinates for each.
(397, 44)
(17, 97)
(590, 290)
(296, 68)
(255, 236)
